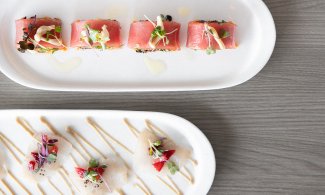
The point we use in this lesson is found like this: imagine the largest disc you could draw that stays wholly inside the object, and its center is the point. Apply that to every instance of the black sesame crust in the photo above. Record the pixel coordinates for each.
(167, 18)
(149, 50)
(211, 21)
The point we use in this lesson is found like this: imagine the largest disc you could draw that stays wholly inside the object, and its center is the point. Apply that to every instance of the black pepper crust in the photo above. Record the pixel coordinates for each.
(149, 50)
(211, 21)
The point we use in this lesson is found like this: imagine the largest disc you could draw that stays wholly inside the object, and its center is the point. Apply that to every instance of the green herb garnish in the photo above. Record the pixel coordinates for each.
(224, 34)
(210, 50)
(52, 158)
(210, 31)
(25, 44)
(48, 35)
(93, 163)
(45, 154)
(94, 171)
(172, 167)
(92, 36)
(157, 143)
(46, 50)
(58, 29)
(159, 33)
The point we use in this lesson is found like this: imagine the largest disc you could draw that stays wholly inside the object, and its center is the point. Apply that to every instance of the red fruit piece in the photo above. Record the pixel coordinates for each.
(31, 165)
(159, 165)
(80, 171)
(167, 154)
(99, 170)
(35, 156)
(54, 149)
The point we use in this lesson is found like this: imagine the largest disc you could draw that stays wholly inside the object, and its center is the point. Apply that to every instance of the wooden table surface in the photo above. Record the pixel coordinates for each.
(268, 134)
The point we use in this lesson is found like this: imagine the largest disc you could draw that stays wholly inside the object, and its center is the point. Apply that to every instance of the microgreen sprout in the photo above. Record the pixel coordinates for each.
(224, 34)
(25, 44)
(162, 156)
(43, 33)
(92, 36)
(50, 33)
(93, 173)
(159, 33)
(47, 152)
(210, 31)
(172, 167)
(155, 149)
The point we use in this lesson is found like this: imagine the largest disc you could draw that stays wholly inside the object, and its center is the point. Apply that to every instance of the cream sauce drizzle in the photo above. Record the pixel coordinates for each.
(100, 131)
(19, 183)
(56, 132)
(7, 143)
(156, 130)
(29, 129)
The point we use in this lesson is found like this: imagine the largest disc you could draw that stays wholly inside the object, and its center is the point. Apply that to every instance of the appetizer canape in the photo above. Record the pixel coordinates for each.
(103, 177)
(160, 35)
(211, 35)
(42, 35)
(159, 154)
(47, 156)
(98, 34)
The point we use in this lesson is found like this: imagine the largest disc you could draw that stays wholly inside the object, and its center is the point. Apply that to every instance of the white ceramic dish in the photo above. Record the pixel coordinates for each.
(125, 70)
(112, 121)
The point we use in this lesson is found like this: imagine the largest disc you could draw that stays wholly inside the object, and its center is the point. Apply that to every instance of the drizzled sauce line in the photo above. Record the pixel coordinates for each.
(39, 188)
(99, 128)
(156, 129)
(19, 183)
(7, 142)
(133, 130)
(100, 131)
(54, 187)
(5, 184)
(64, 174)
(176, 191)
(79, 137)
(85, 151)
(56, 132)
(29, 129)
(173, 184)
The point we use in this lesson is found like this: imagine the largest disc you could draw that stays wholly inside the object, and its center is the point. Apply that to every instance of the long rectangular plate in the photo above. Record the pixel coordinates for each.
(184, 133)
(125, 70)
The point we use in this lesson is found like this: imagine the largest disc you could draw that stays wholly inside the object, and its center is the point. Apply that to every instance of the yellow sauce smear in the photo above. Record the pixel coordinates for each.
(65, 65)
(156, 67)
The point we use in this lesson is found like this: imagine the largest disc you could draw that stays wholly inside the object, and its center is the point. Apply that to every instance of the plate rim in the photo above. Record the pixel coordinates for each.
(53, 86)
(171, 117)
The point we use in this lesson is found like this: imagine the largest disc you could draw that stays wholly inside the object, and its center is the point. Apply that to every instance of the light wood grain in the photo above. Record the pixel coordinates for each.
(268, 134)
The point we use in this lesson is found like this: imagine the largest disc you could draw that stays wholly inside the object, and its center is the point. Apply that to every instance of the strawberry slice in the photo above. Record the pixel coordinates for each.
(159, 165)
(54, 150)
(167, 154)
(35, 156)
(80, 171)
(99, 170)
(31, 165)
